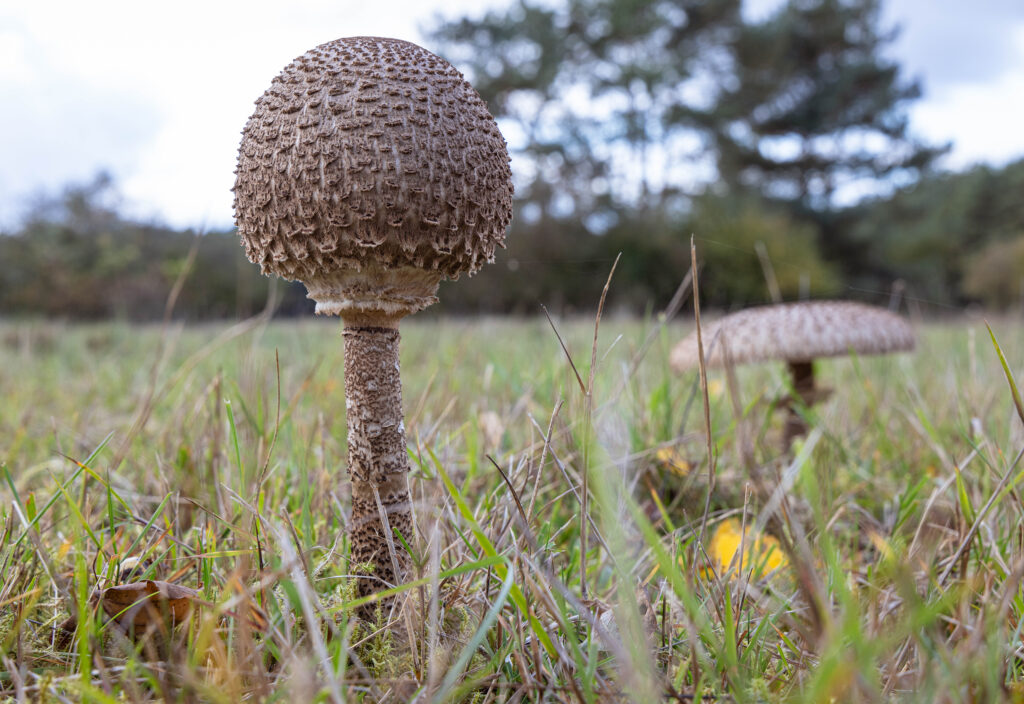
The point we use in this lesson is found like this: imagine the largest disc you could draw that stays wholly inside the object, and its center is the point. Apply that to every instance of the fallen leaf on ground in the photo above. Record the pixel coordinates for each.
(141, 604)
(673, 460)
(762, 554)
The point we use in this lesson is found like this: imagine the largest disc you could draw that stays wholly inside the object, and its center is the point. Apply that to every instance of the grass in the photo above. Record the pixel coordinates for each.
(222, 469)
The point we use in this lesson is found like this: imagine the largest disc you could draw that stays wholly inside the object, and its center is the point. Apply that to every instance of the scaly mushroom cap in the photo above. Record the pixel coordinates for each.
(796, 332)
(371, 159)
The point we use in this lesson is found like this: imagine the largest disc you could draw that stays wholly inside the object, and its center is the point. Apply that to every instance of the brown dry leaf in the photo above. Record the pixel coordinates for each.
(257, 618)
(141, 604)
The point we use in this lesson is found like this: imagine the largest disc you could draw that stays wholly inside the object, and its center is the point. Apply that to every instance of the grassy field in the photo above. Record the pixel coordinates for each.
(894, 529)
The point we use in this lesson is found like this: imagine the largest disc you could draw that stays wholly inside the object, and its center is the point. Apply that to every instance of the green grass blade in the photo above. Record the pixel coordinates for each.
(1017, 402)
(488, 547)
(454, 671)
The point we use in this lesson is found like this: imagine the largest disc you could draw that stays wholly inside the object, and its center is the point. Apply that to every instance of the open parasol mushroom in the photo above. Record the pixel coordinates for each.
(796, 333)
(370, 171)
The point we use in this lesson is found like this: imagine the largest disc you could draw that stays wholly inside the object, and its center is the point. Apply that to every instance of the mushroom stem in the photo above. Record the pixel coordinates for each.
(803, 378)
(377, 459)
(803, 388)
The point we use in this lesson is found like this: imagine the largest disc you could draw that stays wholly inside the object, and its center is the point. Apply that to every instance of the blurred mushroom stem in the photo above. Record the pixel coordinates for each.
(803, 377)
(806, 393)
(803, 387)
(377, 460)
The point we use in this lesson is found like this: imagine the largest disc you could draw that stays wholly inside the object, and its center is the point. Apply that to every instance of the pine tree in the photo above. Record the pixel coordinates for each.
(815, 106)
(597, 97)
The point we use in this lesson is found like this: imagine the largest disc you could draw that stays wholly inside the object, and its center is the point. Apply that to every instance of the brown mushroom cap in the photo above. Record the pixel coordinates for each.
(796, 332)
(370, 170)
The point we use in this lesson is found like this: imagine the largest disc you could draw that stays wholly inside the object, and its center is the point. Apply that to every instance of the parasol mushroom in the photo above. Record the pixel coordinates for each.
(796, 333)
(369, 171)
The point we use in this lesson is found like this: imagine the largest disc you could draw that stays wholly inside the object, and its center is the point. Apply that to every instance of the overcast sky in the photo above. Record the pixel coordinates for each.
(157, 93)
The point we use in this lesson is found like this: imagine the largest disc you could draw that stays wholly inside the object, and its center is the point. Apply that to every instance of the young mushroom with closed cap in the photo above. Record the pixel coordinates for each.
(796, 333)
(370, 171)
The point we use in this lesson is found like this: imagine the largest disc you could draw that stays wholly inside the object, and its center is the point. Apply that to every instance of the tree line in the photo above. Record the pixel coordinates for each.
(951, 239)
(633, 124)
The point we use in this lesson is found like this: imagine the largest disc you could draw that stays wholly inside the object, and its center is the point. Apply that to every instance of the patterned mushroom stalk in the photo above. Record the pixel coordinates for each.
(796, 333)
(370, 171)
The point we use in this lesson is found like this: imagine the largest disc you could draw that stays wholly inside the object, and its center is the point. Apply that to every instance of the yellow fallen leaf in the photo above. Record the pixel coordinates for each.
(670, 458)
(761, 555)
(715, 388)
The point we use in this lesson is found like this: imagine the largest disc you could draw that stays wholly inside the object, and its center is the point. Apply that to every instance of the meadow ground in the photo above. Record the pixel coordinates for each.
(889, 564)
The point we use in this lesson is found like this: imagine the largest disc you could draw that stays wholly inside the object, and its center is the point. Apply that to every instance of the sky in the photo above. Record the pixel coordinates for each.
(157, 93)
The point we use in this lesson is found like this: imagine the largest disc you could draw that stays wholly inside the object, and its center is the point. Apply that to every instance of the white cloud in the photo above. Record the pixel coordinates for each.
(59, 125)
(984, 120)
(15, 66)
(951, 43)
(156, 93)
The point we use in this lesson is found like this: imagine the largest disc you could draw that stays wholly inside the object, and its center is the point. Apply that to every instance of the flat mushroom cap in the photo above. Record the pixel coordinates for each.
(371, 155)
(796, 332)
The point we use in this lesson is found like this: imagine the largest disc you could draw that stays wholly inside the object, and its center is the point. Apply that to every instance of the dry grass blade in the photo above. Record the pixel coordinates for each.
(512, 491)
(588, 419)
(676, 302)
(145, 408)
(565, 349)
(543, 453)
(179, 282)
(277, 424)
(388, 534)
(996, 494)
(575, 492)
(769, 272)
(597, 325)
(703, 372)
